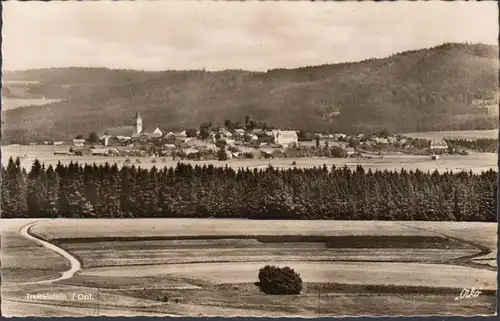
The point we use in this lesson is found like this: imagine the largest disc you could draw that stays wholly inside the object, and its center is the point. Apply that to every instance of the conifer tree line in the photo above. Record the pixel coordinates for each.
(105, 191)
(486, 145)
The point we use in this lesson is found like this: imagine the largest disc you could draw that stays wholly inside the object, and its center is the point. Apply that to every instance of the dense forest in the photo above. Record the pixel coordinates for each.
(483, 145)
(421, 90)
(105, 191)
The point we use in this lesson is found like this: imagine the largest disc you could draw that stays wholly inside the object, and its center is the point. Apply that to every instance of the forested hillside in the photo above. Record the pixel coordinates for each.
(421, 90)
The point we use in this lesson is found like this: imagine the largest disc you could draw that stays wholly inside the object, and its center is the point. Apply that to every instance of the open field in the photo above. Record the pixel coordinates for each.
(464, 134)
(208, 267)
(476, 162)
(484, 233)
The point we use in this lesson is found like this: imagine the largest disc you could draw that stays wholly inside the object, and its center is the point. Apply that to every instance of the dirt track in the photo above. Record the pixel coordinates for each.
(74, 263)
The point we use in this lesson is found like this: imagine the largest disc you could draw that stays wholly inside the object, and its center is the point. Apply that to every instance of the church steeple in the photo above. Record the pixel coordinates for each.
(138, 123)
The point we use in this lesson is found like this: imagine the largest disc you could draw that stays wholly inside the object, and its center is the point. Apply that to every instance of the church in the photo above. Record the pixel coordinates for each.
(125, 133)
(157, 133)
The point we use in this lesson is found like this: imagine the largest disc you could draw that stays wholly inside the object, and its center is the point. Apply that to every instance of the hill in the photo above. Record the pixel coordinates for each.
(421, 90)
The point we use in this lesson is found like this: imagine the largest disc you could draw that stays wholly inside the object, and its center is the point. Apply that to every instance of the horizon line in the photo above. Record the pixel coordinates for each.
(4, 71)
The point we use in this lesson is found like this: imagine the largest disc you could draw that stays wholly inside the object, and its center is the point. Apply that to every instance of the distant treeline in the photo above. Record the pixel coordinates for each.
(485, 145)
(105, 191)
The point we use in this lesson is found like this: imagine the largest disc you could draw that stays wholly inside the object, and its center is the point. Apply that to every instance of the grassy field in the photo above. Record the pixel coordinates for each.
(140, 228)
(208, 267)
(106, 254)
(476, 162)
(373, 273)
(44, 264)
(465, 134)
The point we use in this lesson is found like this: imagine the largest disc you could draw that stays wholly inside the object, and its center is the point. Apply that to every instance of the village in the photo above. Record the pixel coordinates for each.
(244, 142)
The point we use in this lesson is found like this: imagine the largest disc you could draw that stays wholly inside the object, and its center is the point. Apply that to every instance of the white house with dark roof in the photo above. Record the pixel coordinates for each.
(438, 145)
(285, 138)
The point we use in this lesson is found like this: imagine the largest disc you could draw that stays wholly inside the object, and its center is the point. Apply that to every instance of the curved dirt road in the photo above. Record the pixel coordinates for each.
(75, 264)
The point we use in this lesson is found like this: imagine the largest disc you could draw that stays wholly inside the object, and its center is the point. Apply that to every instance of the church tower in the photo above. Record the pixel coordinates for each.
(138, 123)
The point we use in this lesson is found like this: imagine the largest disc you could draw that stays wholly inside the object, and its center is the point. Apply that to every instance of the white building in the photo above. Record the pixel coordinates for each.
(379, 140)
(78, 142)
(99, 152)
(438, 145)
(285, 138)
(158, 131)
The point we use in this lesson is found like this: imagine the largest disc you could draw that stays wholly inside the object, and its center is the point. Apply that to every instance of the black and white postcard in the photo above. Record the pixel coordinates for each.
(233, 158)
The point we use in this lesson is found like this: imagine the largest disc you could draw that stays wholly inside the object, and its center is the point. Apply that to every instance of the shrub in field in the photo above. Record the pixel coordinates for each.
(154, 161)
(138, 161)
(338, 152)
(220, 143)
(222, 155)
(128, 161)
(276, 280)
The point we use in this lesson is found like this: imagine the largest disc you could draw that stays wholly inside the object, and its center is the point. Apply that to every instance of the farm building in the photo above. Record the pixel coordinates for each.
(489, 104)
(438, 145)
(378, 140)
(105, 139)
(58, 143)
(285, 138)
(258, 131)
(78, 142)
(254, 137)
(157, 133)
(99, 151)
(123, 138)
(181, 134)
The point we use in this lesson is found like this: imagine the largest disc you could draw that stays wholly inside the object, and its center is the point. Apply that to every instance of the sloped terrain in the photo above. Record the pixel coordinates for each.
(421, 90)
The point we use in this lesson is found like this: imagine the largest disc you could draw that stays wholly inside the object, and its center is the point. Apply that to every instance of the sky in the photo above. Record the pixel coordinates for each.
(166, 35)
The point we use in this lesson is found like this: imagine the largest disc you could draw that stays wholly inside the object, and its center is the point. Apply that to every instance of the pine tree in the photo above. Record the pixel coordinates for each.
(36, 191)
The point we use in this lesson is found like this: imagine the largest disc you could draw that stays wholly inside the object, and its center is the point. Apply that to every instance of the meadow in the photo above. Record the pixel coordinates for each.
(476, 162)
(209, 266)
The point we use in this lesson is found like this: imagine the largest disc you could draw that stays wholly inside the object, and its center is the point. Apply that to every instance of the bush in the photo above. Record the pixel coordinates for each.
(220, 143)
(338, 152)
(222, 155)
(276, 280)
(128, 161)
